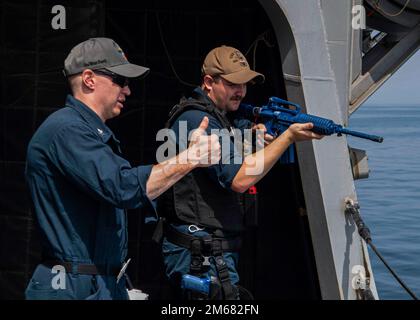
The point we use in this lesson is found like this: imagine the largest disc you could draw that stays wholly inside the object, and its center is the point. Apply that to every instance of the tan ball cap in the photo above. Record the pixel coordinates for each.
(230, 64)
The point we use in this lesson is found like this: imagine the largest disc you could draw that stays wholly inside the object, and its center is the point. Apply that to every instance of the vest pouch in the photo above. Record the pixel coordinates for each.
(249, 201)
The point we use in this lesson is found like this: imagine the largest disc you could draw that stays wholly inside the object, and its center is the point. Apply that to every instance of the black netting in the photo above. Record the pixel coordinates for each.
(32, 87)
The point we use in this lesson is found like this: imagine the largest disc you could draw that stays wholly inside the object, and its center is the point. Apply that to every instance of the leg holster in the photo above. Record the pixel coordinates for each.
(201, 249)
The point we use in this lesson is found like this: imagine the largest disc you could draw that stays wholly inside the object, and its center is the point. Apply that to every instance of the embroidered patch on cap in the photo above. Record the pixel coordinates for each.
(237, 56)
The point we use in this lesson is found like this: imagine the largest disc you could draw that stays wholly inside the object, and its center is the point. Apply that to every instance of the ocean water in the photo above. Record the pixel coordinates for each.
(390, 197)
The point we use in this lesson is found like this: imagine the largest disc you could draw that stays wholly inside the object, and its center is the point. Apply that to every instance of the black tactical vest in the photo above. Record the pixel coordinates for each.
(196, 198)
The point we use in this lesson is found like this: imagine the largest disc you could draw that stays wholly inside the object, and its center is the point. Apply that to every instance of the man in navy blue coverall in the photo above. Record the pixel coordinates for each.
(81, 185)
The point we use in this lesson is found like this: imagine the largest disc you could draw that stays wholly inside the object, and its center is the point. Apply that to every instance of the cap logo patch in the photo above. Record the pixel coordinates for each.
(94, 63)
(236, 57)
(122, 53)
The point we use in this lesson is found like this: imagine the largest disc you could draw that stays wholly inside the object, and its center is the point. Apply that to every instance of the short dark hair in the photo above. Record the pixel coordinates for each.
(216, 77)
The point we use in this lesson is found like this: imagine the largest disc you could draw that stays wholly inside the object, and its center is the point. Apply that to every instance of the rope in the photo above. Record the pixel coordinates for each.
(254, 45)
(169, 56)
(391, 14)
(411, 293)
(353, 209)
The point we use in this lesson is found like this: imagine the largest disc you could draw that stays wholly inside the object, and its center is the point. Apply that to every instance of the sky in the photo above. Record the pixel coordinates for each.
(403, 88)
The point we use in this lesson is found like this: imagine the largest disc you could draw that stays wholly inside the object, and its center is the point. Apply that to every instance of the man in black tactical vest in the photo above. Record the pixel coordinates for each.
(201, 215)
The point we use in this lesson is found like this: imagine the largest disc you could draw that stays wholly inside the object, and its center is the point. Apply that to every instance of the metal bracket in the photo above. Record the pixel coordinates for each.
(360, 282)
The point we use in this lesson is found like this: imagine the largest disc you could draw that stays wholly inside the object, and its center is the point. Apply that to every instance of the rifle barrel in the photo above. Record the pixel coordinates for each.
(361, 135)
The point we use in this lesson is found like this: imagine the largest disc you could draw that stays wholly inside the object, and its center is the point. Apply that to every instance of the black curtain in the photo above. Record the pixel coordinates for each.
(172, 38)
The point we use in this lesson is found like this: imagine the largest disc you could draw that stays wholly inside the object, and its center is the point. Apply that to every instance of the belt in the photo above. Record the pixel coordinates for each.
(88, 269)
(184, 240)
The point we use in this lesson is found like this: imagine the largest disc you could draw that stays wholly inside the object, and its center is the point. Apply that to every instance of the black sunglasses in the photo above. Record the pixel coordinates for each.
(116, 78)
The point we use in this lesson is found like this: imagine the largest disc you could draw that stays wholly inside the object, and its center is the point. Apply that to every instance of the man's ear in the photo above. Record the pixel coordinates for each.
(208, 82)
(88, 79)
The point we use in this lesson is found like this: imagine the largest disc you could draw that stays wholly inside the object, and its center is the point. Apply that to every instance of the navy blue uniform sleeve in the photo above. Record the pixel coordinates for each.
(82, 157)
(230, 162)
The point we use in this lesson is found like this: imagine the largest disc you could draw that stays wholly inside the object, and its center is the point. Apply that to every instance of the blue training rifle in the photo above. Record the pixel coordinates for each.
(277, 118)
